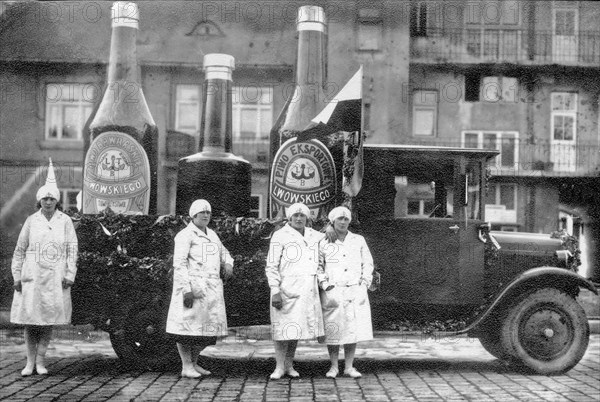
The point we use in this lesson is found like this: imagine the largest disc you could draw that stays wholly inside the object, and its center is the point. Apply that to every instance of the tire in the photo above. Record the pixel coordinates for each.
(142, 343)
(545, 331)
(489, 337)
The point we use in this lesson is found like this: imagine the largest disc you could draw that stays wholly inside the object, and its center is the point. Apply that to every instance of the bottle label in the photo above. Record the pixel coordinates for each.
(302, 172)
(116, 175)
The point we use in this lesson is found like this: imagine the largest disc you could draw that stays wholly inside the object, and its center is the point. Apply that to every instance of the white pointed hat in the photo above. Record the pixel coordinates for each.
(50, 189)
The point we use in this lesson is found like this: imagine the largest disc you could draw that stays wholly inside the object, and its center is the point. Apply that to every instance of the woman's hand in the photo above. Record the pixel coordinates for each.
(66, 283)
(17, 286)
(277, 301)
(227, 271)
(188, 300)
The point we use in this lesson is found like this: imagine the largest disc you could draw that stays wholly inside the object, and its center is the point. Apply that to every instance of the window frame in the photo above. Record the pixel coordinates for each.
(369, 21)
(178, 102)
(499, 134)
(81, 103)
(259, 107)
(503, 84)
(424, 107)
(507, 216)
(572, 113)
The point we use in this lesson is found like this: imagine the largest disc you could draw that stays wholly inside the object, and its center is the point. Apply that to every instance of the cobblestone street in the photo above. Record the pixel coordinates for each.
(398, 367)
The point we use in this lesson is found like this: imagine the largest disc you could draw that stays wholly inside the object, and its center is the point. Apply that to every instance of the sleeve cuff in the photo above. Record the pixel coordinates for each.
(274, 290)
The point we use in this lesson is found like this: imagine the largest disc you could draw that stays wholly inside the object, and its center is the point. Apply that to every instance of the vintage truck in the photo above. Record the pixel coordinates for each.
(421, 210)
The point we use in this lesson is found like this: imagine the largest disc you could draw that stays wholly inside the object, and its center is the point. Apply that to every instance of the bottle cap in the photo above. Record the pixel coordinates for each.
(311, 18)
(218, 66)
(125, 14)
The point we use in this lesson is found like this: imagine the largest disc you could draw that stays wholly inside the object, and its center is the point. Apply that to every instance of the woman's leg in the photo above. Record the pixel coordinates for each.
(289, 359)
(334, 351)
(31, 339)
(45, 334)
(349, 351)
(187, 364)
(280, 353)
(196, 350)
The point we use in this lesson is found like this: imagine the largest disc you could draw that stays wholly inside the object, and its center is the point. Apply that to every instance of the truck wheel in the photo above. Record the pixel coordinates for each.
(546, 331)
(142, 341)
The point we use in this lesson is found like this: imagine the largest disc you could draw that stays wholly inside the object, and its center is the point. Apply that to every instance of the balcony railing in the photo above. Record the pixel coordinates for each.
(522, 157)
(519, 46)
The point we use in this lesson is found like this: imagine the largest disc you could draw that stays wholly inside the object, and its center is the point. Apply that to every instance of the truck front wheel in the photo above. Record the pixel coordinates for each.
(546, 331)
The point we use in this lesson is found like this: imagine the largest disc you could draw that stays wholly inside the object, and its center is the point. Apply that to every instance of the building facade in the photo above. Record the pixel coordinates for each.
(521, 77)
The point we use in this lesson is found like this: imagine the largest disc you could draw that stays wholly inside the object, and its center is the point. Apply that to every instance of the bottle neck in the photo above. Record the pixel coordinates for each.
(308, 98)
(310, 58)
(122, 64)
(216, 119)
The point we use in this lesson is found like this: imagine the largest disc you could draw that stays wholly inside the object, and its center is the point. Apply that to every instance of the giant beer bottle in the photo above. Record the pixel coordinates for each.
(120, 167)
(303, 171)
(215, 173)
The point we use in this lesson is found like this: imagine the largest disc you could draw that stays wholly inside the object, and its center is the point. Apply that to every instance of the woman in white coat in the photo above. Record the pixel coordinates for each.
(345, 273)
(291, 271)
(43, 268)
(197, 311)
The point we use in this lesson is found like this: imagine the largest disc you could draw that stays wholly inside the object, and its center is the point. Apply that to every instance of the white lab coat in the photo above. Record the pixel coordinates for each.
(347, 265)
(291, 270)
(46, 252)
(197, 262)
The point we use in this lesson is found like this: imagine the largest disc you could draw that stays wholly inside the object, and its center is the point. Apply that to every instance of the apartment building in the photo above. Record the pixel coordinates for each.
(521, 77)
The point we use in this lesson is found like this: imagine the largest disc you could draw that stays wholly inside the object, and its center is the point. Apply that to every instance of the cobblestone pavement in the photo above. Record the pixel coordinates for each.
(398, 367)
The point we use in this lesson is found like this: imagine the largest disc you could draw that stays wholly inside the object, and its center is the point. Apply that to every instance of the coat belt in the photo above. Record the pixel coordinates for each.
(347, 284)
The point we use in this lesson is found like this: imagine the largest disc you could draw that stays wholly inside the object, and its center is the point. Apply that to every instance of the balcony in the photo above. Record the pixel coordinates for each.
(542, 158)
(516, 46)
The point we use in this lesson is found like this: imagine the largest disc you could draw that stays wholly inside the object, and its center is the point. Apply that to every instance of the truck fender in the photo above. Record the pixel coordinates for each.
(535, 278)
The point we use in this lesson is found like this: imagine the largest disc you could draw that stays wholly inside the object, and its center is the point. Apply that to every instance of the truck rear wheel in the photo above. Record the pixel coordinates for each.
(546, 331)
(141, 342)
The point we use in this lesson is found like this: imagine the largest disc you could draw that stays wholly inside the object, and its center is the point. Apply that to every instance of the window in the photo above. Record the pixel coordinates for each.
(187, 108)
(68, 106)
(256, 207)
(472, 84)
(415, 197)
(252, 112)
(68, 198)
(495, 89)
(492, 12)
(370, 29)
(418, 19)
(564, 116)
(425, 113)
(563, 126)
(492, 29)
(491, 89)
(504, 141)
(501, 203)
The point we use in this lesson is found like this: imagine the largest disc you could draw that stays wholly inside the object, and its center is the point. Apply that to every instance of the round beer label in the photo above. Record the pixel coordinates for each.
(302, 172)
(116, 175)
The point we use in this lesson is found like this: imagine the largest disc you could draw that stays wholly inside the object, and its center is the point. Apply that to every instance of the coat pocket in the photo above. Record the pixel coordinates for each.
(198, 285)
(291, 287)
(361, 295)
(27, 270)
(330, 299)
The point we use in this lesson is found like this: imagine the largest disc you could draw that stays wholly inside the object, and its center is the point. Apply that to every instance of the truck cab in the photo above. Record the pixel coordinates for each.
(422, 213)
